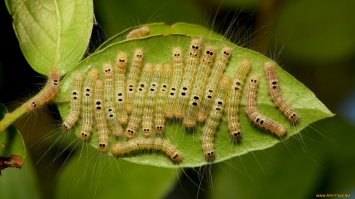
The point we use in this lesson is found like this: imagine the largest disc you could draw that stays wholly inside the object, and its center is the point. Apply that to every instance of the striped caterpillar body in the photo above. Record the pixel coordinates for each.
(87, 112)
(132, 78)
(147, 144)
(136, 116)
(178, 72)
(216, 74)
(275, 93)
(47, 93)
(160, 106)
(212, 122)
(255, 116)
(138, 32)
(75, 103)
(100, 118)
(188, 78)
(110, 107)
(200, 80)
(149, 104)
(233, 100)
(121, 64)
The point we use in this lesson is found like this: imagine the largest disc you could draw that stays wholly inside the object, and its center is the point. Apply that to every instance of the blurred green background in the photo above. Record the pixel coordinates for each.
(311, 39)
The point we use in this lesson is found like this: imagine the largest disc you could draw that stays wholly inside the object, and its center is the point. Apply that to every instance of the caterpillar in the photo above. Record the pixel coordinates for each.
(87, 112)
(188, 78)
(233, 100)
(132, 77)
(47, 93)
(203, 73)
(100, 118)
(216, 74)
(160, 105)
(75, 103)
(178, 71)
(147, 144)
(255, 116)
(149, 104)
(121, 64)
(109, 85)
(275, 93)
(212, 122)
(138, 32)
(136, 116)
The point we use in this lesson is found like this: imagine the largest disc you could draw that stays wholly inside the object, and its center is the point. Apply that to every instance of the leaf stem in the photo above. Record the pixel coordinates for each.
(9, 118)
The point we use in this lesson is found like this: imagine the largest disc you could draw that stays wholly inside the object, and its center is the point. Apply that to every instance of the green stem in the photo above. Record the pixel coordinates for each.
(9, 118)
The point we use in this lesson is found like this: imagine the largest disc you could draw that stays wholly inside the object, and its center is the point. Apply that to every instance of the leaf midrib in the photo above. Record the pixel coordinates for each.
(59, 29)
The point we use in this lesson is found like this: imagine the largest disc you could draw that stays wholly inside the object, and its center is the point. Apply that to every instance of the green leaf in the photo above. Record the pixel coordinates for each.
(12, 146)
(20, 183)
(104, 177)
(158, 50)
(52, 33)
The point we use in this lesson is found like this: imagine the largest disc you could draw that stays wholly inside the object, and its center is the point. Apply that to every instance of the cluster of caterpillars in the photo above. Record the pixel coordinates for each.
(192, 88)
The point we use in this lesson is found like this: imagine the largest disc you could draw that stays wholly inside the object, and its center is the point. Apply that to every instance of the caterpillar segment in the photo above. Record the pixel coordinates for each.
(135, 118)
(75, 103)
(178, 72)
(275, 93)
(110, 106)
(254, 114)
(120, 88)
(203, 73)
(150, 101)
(233, 100)
(147, 144)
(210, 128)
(217, 71)
(187, 84)
(48, 92)
(100, 117)
(133, 77)
(87, 107)
(160, 105)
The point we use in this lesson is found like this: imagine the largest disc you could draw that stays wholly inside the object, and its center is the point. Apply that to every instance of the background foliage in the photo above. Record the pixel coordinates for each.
(313, 40)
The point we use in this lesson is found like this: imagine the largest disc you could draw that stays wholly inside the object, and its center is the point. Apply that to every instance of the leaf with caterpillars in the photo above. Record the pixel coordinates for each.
(158, 50)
